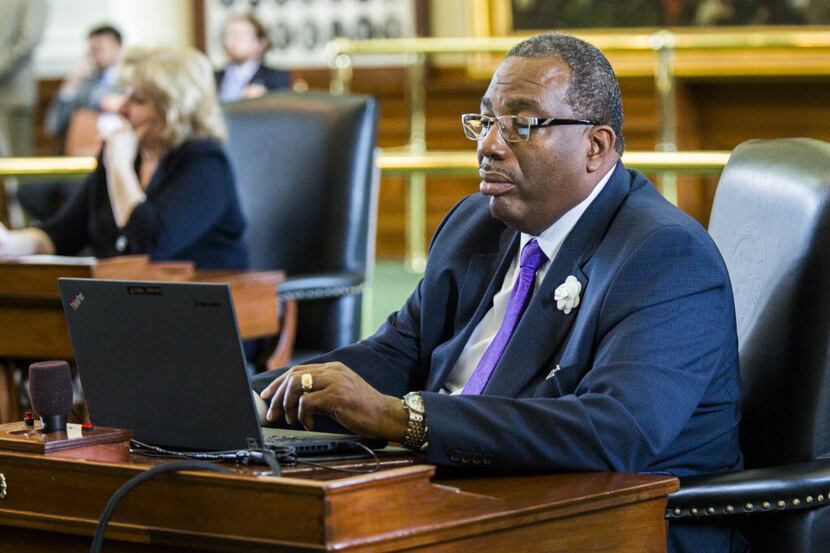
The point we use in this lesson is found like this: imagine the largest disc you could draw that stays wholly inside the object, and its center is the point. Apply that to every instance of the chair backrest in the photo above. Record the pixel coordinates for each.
(771, 221)
(305, 168)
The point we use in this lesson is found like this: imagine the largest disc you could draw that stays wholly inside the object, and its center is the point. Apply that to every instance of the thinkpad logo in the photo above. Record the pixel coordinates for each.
(76, 301)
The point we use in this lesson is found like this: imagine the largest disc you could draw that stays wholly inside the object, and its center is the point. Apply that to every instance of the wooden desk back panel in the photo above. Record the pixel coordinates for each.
(32, 325)
(36, 278)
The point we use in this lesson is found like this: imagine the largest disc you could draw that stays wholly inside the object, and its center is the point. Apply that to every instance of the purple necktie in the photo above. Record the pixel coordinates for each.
(532, 258)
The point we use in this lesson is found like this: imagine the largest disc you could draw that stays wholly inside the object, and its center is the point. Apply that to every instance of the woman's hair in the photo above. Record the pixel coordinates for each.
(180, 83)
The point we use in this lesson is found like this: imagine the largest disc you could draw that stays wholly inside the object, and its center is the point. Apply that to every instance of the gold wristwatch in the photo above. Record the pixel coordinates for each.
(416, 428)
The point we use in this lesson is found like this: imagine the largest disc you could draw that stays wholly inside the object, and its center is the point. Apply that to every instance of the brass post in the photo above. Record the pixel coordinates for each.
(416, 183)
(663, 42)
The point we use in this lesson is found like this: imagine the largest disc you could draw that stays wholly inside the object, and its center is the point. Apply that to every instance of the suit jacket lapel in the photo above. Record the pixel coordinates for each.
(486, 269)
(257, 76)
(543, 327)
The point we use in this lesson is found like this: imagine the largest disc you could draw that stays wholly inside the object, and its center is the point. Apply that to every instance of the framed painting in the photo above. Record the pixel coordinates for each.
(711, 37)
(299, 30)
(527, 16)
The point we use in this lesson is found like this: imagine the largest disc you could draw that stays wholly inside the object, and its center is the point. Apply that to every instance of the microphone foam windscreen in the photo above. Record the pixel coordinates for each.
(50, 388)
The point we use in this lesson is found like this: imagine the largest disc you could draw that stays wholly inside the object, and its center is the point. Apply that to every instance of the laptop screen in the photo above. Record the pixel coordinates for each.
(163, 359)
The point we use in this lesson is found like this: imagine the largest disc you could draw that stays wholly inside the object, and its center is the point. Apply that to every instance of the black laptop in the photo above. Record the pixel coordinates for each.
(165, 360)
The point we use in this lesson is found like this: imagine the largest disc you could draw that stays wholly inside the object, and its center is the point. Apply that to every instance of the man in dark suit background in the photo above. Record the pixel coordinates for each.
(569, 318)
(92, 84)
(21, 27)
(245, 41)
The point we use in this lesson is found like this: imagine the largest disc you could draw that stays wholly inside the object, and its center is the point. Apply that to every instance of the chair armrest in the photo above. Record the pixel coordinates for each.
(780, 488)
(322, 286)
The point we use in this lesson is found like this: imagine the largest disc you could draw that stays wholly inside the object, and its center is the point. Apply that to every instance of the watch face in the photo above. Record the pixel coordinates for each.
(415, 402)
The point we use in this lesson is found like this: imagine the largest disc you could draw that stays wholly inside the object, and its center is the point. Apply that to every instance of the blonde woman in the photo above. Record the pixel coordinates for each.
(163, 185)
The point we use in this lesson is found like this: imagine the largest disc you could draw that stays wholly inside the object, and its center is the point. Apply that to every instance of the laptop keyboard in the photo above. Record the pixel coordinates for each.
(305, 444)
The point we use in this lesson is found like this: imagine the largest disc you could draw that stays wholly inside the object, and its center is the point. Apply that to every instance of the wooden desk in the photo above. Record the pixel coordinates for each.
(32, 325)
(53, 501)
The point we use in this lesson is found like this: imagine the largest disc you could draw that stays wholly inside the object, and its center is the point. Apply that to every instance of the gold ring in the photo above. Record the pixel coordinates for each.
(306, 383)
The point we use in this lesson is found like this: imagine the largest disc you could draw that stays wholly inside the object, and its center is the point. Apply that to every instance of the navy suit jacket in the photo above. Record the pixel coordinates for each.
(641, 376)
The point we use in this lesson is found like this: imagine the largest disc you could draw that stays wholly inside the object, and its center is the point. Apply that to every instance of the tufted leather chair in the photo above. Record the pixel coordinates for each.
(308, 187)
(771, 221)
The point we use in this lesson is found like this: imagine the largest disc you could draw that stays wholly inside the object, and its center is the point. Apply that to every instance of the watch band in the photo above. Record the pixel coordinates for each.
(416, 429)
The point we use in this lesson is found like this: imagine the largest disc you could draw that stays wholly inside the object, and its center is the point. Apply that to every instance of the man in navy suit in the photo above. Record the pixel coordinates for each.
(622, 356)
(245, 41)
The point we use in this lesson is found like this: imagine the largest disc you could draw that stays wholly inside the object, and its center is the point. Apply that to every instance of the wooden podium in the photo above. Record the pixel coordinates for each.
(51, 502)
(32, 325)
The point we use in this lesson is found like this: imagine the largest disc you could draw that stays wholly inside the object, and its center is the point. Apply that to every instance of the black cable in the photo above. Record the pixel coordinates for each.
(193, 460)
(132, 483)
(270, 457)
(375, 468)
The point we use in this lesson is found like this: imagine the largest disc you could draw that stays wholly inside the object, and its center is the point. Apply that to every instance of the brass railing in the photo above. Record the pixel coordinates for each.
(662, 45)
(22, 166)
(464, 163)
(408, 163)
(404, 162)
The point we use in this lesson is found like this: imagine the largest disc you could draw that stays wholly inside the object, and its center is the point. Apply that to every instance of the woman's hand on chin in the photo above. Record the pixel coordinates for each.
(121, 147)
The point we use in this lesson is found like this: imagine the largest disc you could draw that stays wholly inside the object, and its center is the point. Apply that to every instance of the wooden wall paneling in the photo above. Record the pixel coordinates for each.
(692, 196)
(733, 111)
(45, 145)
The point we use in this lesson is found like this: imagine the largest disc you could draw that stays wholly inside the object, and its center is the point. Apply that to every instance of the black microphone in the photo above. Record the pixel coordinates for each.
(50, 392)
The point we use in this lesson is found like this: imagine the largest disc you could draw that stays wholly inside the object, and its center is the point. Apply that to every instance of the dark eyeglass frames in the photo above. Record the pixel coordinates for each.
(513, 128)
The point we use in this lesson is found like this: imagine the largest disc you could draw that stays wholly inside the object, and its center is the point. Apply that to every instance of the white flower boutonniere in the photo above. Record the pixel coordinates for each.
(567, 294)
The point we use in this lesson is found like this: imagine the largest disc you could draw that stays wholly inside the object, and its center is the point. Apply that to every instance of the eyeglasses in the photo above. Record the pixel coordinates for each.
(513, 128)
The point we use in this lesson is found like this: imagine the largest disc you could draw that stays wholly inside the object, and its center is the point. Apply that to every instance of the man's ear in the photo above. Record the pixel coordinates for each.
(602, 139)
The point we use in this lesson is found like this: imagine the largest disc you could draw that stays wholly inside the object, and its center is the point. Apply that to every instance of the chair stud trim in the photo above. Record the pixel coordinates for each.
(322, 293)
(795, 503)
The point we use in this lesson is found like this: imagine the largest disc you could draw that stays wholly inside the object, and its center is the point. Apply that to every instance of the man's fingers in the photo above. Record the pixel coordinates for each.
(306, 410)
(291, 398)
(275, 410)
(272, 387)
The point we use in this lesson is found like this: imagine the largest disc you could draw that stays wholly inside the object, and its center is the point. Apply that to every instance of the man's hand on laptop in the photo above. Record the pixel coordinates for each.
(333, 389)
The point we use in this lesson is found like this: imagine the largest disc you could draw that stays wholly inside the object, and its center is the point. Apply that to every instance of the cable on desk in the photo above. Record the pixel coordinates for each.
(194, 460)
(266, 456)
(135, 481)
(374, 468)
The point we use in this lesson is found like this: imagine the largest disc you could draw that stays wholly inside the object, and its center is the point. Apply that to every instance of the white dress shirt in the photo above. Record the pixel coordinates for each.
(236, 78)
(550, 240)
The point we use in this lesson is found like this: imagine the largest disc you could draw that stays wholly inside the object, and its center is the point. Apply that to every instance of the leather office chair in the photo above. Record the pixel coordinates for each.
(308, 187)
(771, 221)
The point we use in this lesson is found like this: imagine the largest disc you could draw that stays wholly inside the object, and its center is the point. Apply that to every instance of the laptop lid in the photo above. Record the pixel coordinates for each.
(164, 359)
